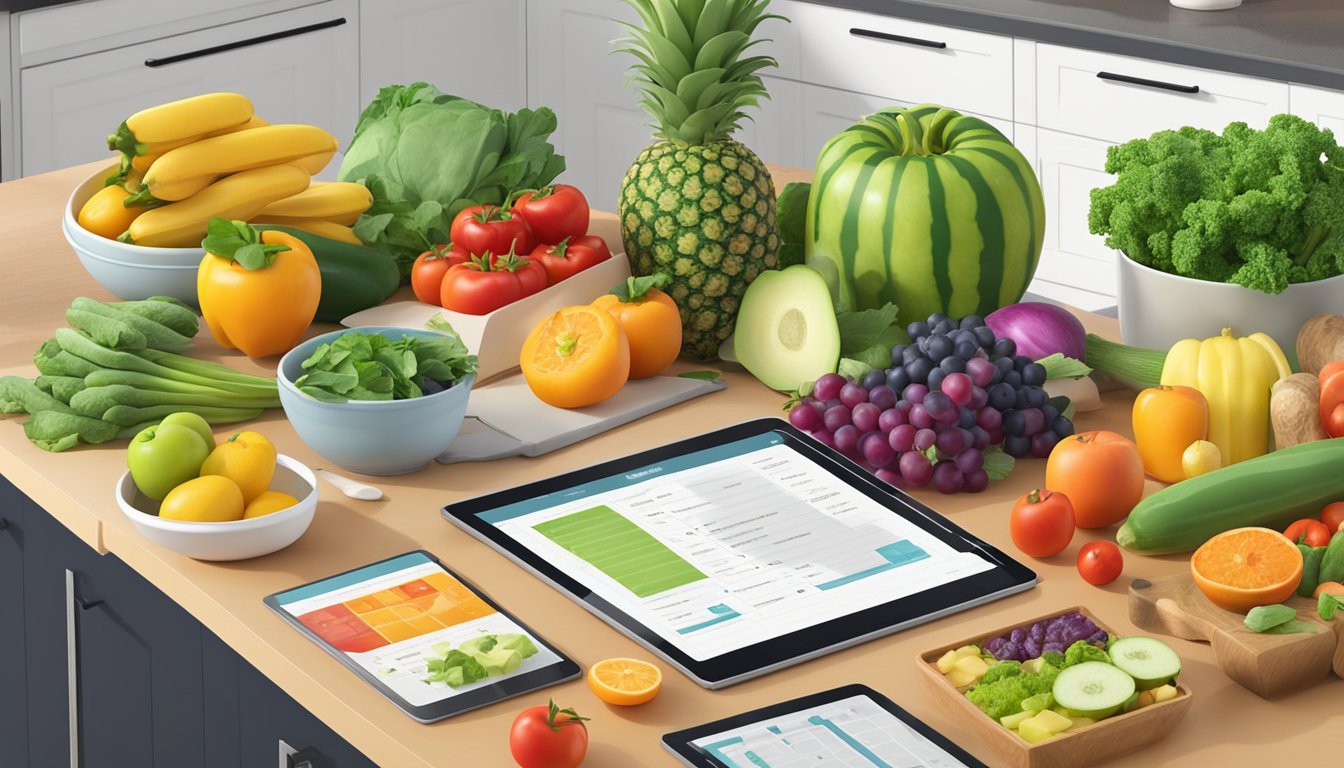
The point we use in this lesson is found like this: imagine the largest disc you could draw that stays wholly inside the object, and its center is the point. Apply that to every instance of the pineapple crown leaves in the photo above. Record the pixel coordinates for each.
(691, 66)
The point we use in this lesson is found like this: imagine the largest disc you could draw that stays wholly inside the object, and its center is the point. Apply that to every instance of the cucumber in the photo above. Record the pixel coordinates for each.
(354, 277)
(1332, 562)
(1093, 689)
(1149, 661)
(1270, 491)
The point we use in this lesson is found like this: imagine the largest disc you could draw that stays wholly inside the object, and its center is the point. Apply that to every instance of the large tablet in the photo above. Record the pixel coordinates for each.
(741, 551)
(423, 636)
(850, 727)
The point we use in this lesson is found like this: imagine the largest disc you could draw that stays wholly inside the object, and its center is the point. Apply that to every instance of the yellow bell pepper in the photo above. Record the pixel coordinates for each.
(258, 291)
(1167, 419)
(1235, 376)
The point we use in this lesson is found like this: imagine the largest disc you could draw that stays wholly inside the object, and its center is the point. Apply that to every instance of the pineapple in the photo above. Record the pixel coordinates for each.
(696, 204)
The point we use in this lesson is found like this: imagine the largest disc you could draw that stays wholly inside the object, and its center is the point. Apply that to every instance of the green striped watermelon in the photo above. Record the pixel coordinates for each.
(926, 208)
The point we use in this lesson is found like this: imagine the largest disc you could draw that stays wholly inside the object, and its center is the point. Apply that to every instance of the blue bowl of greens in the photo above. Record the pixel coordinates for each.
(379, 401)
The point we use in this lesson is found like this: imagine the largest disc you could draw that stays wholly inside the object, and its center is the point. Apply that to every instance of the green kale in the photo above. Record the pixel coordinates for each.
(1261, 209)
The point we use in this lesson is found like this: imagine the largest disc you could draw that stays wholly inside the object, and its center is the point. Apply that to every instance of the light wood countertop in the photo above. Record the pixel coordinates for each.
(1227, 725)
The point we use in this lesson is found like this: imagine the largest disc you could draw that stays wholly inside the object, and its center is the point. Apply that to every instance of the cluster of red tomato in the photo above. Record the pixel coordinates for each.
(499, 255)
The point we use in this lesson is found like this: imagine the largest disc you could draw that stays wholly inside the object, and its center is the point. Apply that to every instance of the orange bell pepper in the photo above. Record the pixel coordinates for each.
(1332, 399)
(651, 321)
(1167, 420)
(258, 291)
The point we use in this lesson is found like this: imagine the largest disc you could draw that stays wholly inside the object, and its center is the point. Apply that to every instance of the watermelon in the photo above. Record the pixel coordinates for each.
(925, 208)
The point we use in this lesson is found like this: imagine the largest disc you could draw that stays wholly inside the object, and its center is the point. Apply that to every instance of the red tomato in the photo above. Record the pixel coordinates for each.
(1313, 533)
(490, 229)
(571, 256)
(483, 284)
(428, 271)
(548, 737)
(1333, 516)
(1100, 563)
(554, 213)
(1042, 523)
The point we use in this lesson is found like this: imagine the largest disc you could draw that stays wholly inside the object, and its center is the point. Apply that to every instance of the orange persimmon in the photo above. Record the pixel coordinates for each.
(1101, 473)
(651, 321)
(1166, 421)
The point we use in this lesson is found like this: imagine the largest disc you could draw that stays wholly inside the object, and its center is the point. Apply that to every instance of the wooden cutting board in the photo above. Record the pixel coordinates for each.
(1269, 665)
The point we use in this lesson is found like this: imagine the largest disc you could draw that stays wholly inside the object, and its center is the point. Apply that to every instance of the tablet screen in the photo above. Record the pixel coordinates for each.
(723, 548)
(416, 629)
(854, 732)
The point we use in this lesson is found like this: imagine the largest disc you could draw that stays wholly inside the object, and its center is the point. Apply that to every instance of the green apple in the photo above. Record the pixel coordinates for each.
(196, 423)
(163, 457)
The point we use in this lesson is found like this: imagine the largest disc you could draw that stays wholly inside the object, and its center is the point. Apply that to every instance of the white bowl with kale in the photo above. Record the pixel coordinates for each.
(422, 379)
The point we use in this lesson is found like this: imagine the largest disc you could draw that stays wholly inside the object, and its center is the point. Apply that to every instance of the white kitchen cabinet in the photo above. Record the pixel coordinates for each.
(1118, 98)
(1069, 168)
(68, 107)
(906, 61)
(1325, 108)
(470, 48)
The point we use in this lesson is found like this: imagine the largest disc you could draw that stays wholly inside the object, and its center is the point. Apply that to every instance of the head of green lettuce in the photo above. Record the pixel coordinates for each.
(426, 155)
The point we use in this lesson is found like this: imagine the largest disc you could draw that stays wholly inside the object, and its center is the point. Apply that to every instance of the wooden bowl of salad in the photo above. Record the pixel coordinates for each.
(1100, 704)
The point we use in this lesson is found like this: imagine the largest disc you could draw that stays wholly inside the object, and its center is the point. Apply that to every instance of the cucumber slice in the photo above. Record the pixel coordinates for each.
(1148, 660)
(1093, 689)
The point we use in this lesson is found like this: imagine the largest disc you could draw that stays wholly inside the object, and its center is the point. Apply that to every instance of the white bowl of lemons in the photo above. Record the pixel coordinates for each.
(276, 521)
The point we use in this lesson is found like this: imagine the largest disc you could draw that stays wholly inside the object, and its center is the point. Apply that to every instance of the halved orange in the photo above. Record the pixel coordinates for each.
(575, 357)
(625, 682)
(1242, 568)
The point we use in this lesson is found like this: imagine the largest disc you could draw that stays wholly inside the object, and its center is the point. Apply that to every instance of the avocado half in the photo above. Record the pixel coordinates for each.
(786, 332)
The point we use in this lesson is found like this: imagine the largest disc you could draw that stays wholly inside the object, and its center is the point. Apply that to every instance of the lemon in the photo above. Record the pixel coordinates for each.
(268, 502)
(205, 499)
(1199, 457)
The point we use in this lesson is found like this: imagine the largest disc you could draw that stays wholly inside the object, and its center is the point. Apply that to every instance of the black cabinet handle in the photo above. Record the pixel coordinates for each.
(1148, 83)
(304, 758)
(859, 32)
(295, 32)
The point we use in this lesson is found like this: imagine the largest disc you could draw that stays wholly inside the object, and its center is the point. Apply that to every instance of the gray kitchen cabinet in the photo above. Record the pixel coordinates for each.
(297, 66)
(14, 512)
(469, 48)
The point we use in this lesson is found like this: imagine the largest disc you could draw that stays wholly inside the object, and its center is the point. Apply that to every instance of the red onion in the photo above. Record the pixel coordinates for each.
(1039, 329)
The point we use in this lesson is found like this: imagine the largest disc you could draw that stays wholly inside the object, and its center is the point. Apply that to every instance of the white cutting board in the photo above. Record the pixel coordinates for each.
(504, 418)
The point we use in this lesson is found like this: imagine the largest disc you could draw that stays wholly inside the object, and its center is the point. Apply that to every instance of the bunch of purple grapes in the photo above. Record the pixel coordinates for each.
(951, 393)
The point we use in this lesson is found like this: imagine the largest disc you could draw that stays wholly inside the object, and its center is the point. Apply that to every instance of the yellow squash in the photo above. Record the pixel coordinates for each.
(1235, 376)
(319, 227)
(184, 171)
(239, 196)
(104, 214)
(258, 291)
(340, 202)
(179, 120)
(153, 152)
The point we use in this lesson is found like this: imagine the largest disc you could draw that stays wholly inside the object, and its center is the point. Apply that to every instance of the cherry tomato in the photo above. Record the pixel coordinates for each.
(556, 212)
(483, 284)
(1313, 533)
(490, 229)
(1100, 562)
(1333, 516)
(428, 271)
(548, 737)
(1042, 523)
(571, 256)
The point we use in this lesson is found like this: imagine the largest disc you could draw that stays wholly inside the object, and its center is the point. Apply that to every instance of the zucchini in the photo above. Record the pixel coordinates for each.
(1271, 491)
(354, 277)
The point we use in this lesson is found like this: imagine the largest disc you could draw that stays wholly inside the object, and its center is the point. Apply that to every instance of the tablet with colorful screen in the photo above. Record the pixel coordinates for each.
(849, 727)
(741, 551)
(422, 636)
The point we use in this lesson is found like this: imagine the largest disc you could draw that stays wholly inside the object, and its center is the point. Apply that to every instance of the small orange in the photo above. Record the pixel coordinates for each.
(1331, 587)
(575, 357)
(625, 682)
(1245, 567)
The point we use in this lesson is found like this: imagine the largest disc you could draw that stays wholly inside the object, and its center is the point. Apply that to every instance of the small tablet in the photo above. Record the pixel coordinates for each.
(741, 551)
(849, 727)
(423, 636)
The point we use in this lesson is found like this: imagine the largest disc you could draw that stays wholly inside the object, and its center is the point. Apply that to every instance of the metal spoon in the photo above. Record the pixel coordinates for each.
(352, 488)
